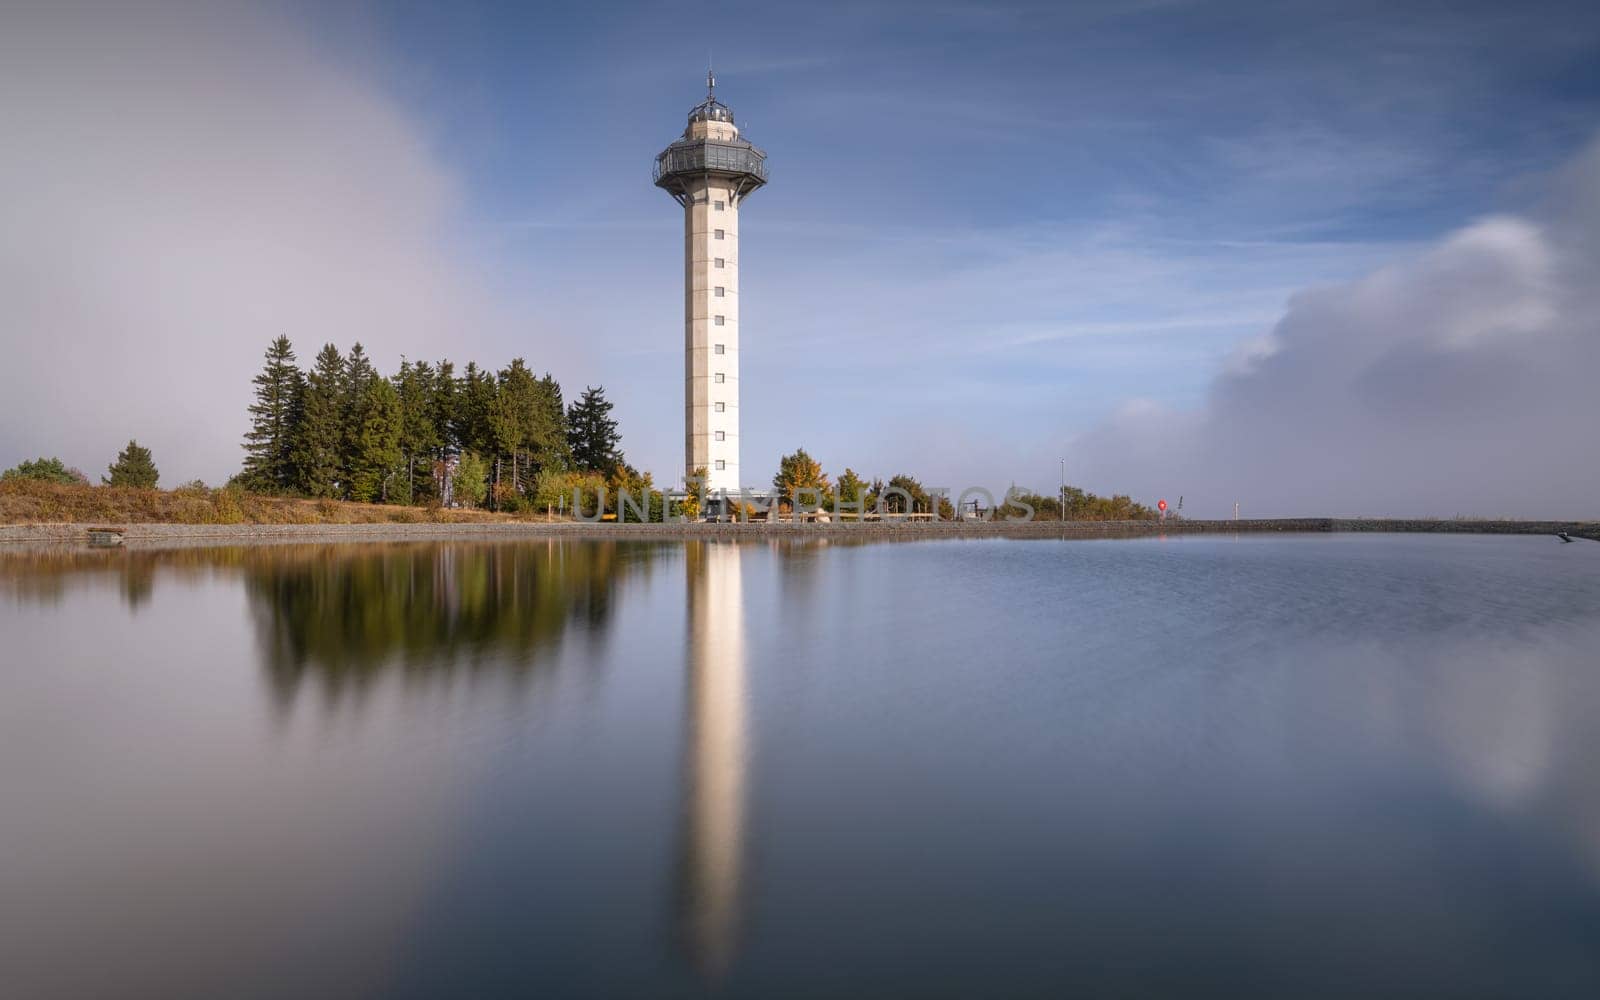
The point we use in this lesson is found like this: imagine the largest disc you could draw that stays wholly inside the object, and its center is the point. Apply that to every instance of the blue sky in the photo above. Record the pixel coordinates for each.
(989, 226)
(985, 221)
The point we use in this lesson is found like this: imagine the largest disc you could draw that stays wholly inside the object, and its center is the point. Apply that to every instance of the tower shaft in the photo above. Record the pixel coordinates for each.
(711, 332)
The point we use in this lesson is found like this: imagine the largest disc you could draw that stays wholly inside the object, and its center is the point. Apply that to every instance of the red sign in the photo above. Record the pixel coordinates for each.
(1162, 504)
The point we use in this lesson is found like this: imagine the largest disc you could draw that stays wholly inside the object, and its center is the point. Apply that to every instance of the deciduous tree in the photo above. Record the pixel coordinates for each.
(851, 489)
(798, 471)
(471, 480)
(45, 470)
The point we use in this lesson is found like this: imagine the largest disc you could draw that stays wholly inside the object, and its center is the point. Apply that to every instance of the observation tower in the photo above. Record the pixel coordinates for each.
(710, 171)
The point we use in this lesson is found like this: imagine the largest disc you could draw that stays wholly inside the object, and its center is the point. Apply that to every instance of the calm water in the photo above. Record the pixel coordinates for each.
(1291, 766)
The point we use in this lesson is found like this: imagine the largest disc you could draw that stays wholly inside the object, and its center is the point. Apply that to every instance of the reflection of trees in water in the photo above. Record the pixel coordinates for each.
(348, 615)
(800, 564)
(47, 575)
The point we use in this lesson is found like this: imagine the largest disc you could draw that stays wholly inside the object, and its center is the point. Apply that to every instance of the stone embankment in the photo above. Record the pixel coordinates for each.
(157, 534)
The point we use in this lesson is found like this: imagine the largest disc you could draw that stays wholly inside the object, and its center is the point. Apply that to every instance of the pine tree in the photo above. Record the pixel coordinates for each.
(318, 452)
(547, 433)
(514, 415)
(268, 446)
(592, 434)
(134, 467)
(444, 404)
(443, 418)
(414, 387)
(376, 430)
(359, 375)
(475, 400)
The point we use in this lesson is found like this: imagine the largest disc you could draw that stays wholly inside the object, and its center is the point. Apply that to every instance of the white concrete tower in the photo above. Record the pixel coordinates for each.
(709, 171)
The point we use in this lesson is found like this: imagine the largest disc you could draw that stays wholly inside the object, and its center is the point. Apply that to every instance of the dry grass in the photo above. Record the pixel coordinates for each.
(30, 502)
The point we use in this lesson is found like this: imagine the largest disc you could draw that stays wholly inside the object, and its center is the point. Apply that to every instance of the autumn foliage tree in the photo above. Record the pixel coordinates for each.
(799, 471)
(471, 480)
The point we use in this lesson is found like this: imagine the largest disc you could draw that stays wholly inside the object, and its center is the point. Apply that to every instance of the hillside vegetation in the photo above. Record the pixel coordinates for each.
(24, 501)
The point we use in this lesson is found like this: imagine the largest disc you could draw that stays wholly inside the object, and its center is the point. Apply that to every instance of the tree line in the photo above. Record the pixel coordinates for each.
(904, 494)
(425, 434)
(134, 467)
(503, 439)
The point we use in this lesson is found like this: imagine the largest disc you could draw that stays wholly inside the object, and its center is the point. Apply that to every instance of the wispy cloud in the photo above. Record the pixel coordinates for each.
(1457, 381)
(181, 184)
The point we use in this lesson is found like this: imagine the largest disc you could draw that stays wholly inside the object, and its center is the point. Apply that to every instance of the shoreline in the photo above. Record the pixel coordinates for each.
(146, 535)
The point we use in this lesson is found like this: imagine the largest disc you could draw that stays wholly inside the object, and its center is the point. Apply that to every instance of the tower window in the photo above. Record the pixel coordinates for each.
(720, 234)
(719, 349)
(721, 262)
(720, 320)
(721, 377)
(721, 291)
(717, 205)
(721, 407)
(721, 465)
(722, 435)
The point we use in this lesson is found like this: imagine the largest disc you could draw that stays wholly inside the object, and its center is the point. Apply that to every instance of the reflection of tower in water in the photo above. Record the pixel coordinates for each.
(714, 758)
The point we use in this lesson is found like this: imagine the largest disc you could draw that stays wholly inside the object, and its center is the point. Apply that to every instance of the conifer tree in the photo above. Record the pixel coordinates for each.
(514, 415)
(377, 456)
(547, 433)
(592, 434)
(319, 445)
(268, 446)
(504, 431)
(359, 374)
(414, 387)
(134, 467)
(475, 398)
(444, 403)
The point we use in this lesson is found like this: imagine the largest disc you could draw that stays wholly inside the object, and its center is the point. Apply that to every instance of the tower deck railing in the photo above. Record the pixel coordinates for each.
(705, 155)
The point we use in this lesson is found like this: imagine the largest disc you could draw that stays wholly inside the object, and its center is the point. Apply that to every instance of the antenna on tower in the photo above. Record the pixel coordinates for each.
(711, 83)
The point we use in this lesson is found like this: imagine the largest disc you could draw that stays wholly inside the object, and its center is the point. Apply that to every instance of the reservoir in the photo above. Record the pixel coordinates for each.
(1257, 765)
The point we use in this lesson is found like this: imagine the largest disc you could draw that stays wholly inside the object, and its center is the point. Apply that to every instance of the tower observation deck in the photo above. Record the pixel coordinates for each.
(709, 171)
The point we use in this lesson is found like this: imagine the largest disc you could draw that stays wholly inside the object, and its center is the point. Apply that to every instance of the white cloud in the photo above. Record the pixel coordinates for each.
(182, 183)
(1458, 381)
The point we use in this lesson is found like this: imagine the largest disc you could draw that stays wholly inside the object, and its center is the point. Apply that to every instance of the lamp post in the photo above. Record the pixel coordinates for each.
(1063, 499)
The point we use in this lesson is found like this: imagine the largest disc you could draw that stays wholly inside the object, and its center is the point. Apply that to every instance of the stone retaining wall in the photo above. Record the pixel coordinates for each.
(229, 533)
